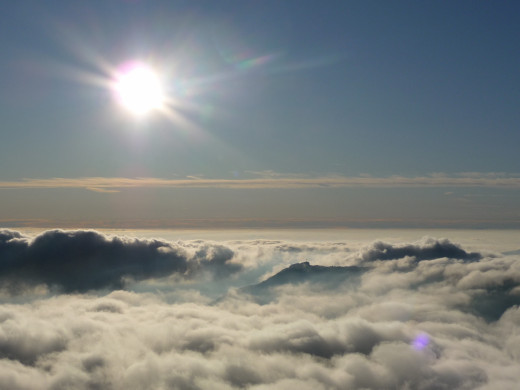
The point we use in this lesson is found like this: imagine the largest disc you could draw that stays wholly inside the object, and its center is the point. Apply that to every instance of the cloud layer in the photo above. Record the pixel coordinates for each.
(417, 315)
(273, 180)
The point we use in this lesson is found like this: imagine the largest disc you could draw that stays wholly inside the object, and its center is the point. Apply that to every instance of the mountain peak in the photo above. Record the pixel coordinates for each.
(305, 265)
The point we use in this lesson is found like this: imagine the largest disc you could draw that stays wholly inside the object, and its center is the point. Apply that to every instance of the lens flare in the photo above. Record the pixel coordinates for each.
(421, 341)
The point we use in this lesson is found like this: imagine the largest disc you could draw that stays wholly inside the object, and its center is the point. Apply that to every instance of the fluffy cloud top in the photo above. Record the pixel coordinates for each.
(429, 250)
(82, 260)
(408, 316)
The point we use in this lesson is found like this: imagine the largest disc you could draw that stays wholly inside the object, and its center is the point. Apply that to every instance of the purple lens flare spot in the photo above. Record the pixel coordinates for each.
(421, 341)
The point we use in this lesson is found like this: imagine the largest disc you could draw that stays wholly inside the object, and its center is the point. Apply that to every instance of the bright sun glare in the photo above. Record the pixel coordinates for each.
(138, 88)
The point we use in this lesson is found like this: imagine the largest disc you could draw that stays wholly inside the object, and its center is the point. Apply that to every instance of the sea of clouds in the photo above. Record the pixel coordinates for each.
(86, 310)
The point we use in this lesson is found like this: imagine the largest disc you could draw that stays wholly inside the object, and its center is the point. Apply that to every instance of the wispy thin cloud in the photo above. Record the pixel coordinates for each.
(272, 181)
(103, 190)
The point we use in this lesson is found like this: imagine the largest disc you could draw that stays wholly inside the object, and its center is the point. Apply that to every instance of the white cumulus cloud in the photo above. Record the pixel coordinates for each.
(416, 315)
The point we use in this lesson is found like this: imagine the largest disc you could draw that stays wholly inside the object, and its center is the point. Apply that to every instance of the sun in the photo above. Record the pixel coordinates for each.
(138, 89)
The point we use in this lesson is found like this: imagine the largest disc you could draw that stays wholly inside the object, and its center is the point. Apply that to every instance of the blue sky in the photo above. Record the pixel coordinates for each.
(400, 93)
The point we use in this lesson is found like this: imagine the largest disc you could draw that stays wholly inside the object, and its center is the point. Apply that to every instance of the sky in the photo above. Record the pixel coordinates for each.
(279, 114)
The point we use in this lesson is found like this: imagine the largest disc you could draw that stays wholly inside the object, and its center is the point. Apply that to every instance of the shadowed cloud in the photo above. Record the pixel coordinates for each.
(429, 250)
(84, 260)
